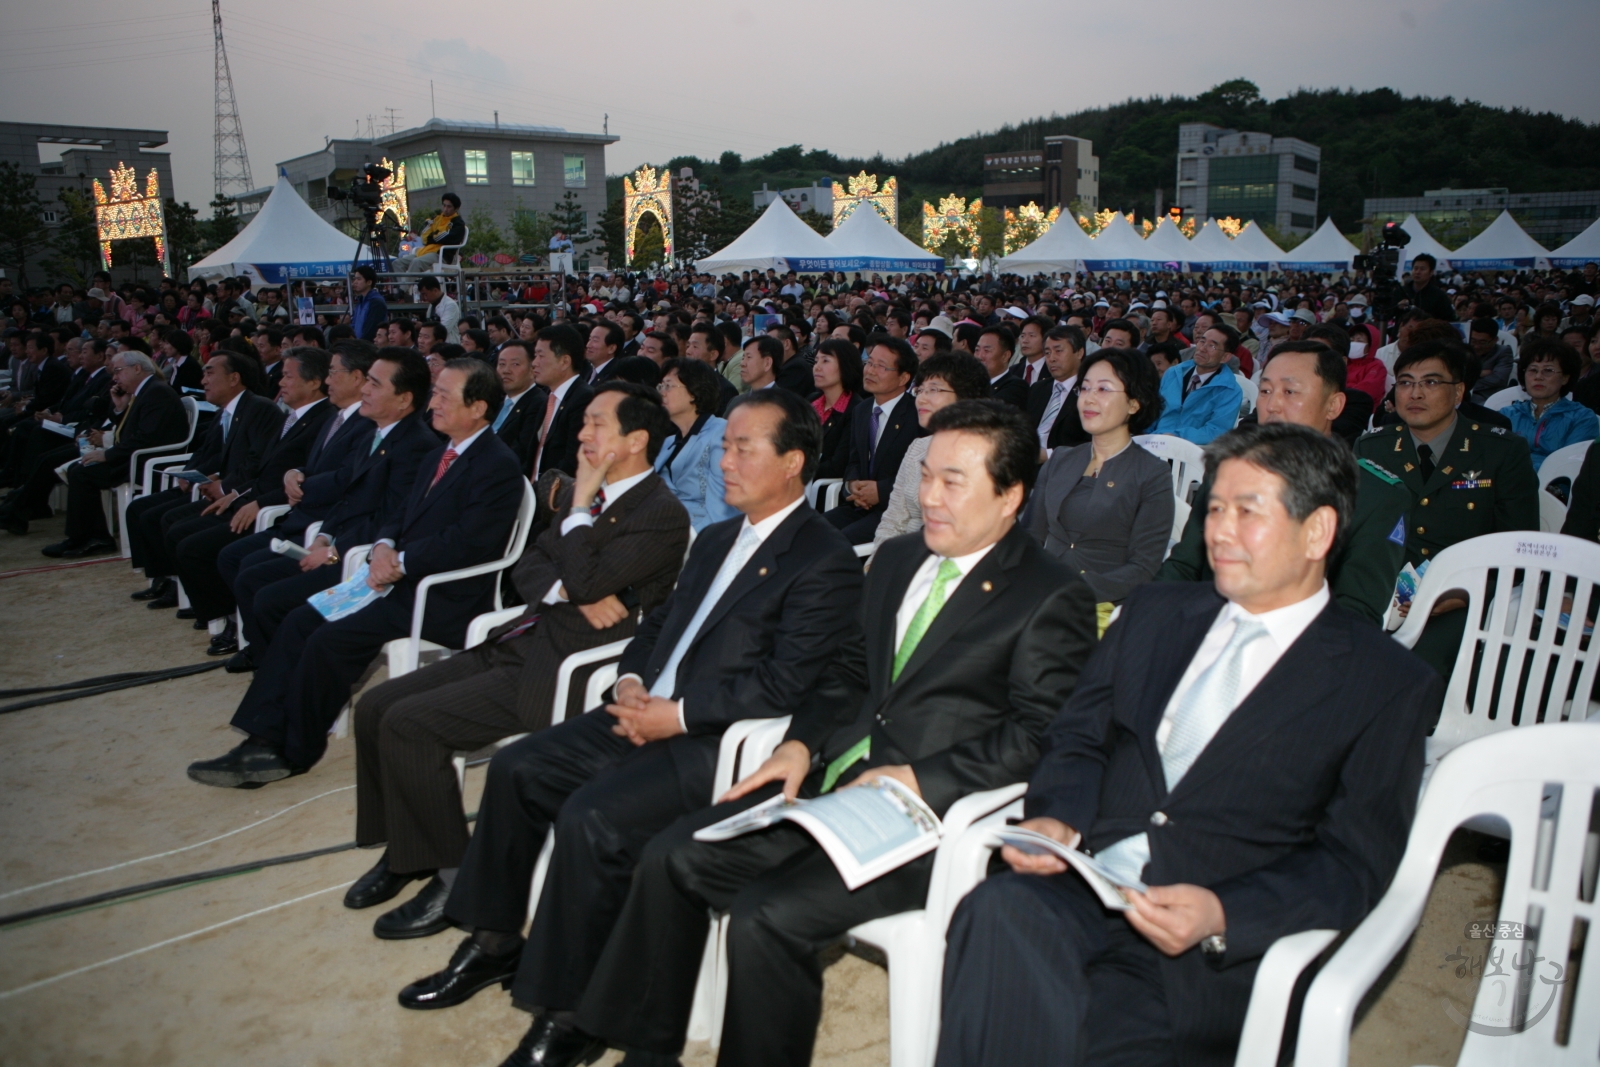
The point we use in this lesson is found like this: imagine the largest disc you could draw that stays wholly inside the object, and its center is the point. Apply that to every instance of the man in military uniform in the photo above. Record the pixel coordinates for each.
(1303, 382)
(1467, 478)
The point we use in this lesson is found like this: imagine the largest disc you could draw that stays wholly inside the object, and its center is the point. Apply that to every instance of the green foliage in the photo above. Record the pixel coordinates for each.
(568, 217)
(483, 233)
(1237, 93)
(1279, 237)
(823, 224)
(76, 243)
(186, 242)
(612, 230)
(730, 162)
(530, 231)
(649, 243)
(991, 232)
(223, 226)
(22, 228)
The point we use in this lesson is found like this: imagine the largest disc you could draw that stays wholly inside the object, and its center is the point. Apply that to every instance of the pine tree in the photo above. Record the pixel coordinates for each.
(22, 228)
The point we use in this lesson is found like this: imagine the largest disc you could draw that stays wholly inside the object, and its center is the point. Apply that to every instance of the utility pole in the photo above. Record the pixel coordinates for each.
(232, 169)
(394, 119)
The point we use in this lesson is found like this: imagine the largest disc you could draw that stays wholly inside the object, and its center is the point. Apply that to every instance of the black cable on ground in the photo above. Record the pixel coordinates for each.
(108, 684)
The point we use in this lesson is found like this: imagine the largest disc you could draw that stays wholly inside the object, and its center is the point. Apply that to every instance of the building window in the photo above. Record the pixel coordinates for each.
(1303, 222)
(574, 172)
(1305, 192)
(1244, 187)
(477, 167)
(1307, 165)
(424, 172)
(1189, 170)
(522, 168)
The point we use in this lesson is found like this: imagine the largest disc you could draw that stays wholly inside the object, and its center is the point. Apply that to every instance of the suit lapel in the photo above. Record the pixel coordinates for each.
(455, 472)
(984, 586)
(1156, 685)
(883, 650)
(687, 597)
(762, 564)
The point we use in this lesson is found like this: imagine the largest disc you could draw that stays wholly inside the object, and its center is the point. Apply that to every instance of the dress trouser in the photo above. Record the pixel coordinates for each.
(194, 545)
(857, 525)
(39, 480)
(86, 518)
(145, 532)
(606, 798)
(407, 731)
(231, 559)
(786, 902)
(308, 670)
(1038, 974)
(269, 587)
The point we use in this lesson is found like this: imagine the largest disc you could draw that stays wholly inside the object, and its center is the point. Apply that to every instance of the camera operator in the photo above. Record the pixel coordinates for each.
(1426, 293)
(446, 231)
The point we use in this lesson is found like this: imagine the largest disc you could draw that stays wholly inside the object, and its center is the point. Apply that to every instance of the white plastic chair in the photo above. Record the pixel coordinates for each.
(1186, 459)
(1541, 786)
(116, 501)
(1517, 665)
(816, 488)
(1250, 390)
(403, 653)
(1505, 397)
(1562, 463)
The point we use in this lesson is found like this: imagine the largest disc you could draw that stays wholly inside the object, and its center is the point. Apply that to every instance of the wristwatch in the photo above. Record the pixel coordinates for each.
(1215, 945)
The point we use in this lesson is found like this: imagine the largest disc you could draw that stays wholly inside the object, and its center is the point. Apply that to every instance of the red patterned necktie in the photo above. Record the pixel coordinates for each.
(597, 505)
(445, 460)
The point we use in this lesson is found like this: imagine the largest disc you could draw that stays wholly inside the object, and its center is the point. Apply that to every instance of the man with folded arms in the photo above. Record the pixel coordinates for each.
(1250, 750)
(616, 552)
(755, 629)
(972, 637)
(458, 517)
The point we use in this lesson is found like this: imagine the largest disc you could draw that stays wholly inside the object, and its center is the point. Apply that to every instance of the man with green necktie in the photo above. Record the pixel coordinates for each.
(972, 637)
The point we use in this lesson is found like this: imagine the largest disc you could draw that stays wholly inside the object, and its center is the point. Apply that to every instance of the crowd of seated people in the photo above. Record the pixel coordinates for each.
(990, 459)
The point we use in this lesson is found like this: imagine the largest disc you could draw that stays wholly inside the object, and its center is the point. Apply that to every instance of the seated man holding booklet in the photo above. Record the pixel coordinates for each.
(1251, 749)
(973, 636)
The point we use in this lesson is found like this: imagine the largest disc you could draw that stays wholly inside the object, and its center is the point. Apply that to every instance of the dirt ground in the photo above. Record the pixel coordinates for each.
(267, 967)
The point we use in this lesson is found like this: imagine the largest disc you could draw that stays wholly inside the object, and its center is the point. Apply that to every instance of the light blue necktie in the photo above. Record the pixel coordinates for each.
(1195, 721)
(505, 413)
(738, 556)
(227, 421)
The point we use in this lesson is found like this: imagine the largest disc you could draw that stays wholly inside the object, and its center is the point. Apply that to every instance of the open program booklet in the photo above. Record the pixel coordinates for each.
(348, 597)
(1106, 886)
(867, 831)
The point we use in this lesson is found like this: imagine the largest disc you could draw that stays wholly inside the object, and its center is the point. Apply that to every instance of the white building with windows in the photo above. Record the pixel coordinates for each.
(1246, 175)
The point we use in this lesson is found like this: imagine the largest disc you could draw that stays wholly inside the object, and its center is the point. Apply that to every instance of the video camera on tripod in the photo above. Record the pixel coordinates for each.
(1383, 268)
(365, 194)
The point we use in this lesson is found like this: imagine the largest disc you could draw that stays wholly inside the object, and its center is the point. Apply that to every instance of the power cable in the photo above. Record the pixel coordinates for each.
(95, 686)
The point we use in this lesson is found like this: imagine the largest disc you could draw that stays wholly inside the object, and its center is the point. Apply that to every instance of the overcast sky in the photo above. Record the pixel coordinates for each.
(701, 76)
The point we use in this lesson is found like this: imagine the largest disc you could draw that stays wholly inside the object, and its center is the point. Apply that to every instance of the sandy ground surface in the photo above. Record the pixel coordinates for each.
(268, 967)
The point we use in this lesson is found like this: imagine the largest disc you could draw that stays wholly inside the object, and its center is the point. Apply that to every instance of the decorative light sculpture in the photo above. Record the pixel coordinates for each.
(394, 193)
(1027, 224)
(954, 217)
(126, 214)
(1230, 226)
(646, 193)
(864, 190)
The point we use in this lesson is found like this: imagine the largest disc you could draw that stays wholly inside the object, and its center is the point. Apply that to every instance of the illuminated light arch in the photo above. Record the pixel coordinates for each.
(1027, 224)
(864, 190)
(647, 193)
(394, 193)
(126, 213)
(956, 217)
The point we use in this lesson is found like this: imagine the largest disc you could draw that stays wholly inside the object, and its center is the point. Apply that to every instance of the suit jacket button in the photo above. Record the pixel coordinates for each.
(1158, 819)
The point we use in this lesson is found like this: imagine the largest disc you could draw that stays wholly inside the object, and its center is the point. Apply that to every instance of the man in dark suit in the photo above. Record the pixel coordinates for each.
(517, 421)
(148, 414)
(881, 430)
(556, 352)
(461, 516)
(972, 637)
(356, 500)
(232, 448)
(85, 404)
(604, 343)
(615, 553)
(193, 543)
(1053, 399)
(1250, 751)
(994, 347)
(760, 615)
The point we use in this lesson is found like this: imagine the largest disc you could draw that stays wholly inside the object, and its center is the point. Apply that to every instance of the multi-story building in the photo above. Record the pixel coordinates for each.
(499, 168)
(1453, 215)
(818, 197)
(1064, 170)
(87, 153)
(1248, 175)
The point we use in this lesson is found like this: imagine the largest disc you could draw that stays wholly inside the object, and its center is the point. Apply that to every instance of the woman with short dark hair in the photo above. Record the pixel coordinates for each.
(1105, 507)
(837, 376)
(1549, 419)
(690, 461)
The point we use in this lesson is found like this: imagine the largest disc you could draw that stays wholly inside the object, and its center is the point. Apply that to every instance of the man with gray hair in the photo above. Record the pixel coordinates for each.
(146, 414)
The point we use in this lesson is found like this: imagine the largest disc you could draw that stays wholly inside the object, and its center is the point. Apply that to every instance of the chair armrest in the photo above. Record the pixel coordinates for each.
(865, 551)
(832, 495)
(138, 455)
(154, 467)
(352, 561)
(974, 806)
(1269, 998)
(603, 678)
(478, 629)
(815, 489)
(733, 737)
(269, 515)
(600, 654)
(962, 861)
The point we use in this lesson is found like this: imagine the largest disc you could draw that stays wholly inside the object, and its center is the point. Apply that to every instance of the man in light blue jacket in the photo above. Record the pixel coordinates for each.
(1200, 396)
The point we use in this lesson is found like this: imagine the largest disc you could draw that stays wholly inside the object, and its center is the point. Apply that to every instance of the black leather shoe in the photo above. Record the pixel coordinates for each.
(77, 549)
(421, 916)
(240, 662)
(377, 886)
(166, 601)
(224, 644)
(13, 523)
(550, 1044)
(249, 766)
(156, 588)
(189, 613)
(470, 969)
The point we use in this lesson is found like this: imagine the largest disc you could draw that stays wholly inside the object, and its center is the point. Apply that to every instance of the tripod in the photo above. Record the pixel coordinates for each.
(372, 242)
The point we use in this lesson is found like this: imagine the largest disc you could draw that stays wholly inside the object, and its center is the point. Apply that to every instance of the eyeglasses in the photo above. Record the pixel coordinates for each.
(929, 389)
(1428, 385)
(667, 386)
(1102, 390)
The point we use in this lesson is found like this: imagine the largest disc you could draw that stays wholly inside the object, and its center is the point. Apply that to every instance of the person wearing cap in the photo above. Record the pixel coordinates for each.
(1300, 320)
(1580, 312)
(1201, 397)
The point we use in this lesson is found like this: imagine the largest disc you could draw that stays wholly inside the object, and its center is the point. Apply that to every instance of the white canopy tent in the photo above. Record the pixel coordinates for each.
(1584, 248)
(1211, 249)
(866, 242)
(1252, 245)
(1327, 250)
(778, 241)
(1063, 247)
(1503, 246)
(1119, 247)
(1167, 243)
(1422, 241)
(285, 242)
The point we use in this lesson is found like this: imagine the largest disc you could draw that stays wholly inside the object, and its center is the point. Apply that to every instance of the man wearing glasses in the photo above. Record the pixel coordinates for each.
(1200, 396)
(1466, 478)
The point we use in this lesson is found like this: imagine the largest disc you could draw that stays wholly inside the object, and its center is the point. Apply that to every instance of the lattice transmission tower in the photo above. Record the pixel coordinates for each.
(233, 162)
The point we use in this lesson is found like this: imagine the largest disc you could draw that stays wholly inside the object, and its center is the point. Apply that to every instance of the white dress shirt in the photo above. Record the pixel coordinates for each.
(580, 517)
(296, 415)
(922, 584)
